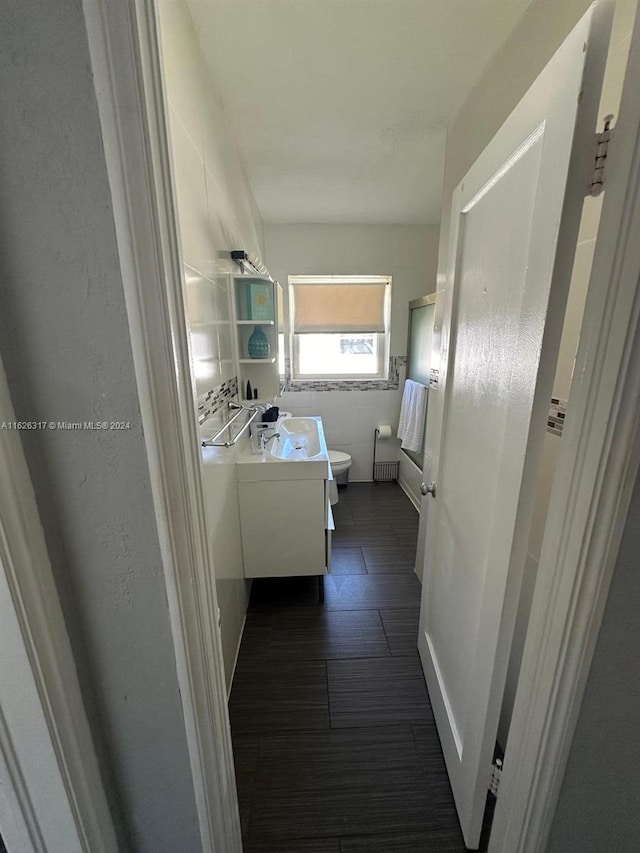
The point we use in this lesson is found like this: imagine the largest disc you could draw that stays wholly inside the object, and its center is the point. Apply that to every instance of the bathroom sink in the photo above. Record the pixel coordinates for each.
(298, 439)
(299, 452)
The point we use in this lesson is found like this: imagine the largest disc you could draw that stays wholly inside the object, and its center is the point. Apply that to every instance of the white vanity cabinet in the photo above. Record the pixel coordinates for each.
(286, 527)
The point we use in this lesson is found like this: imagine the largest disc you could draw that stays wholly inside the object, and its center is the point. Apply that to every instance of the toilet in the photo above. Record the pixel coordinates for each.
(340, 463)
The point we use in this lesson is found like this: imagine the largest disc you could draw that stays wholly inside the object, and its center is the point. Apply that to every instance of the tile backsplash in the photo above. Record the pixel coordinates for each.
(390, 384)
(213, 400)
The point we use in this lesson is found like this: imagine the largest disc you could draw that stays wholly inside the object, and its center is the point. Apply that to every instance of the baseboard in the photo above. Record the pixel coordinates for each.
(414, 502)
(235, 662)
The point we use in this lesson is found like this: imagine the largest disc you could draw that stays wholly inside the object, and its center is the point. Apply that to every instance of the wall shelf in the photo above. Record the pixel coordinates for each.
(257, 302)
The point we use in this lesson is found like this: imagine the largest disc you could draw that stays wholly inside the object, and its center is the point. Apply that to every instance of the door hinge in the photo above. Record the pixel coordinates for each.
(596, 182)
(496, 774)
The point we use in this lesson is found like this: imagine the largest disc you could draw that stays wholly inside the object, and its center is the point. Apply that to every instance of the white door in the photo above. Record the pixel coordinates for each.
(513, 231)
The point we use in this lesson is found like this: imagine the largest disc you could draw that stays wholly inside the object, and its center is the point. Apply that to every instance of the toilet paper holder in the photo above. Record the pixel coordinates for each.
(383, 471)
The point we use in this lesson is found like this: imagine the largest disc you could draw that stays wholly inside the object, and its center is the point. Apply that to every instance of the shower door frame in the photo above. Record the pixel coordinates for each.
(421, 302)
(422, 507)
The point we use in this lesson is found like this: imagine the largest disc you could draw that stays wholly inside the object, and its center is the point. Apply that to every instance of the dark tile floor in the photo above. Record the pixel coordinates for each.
(335, 744)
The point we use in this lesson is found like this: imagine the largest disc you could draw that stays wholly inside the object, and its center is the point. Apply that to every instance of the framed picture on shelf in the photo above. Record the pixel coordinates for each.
(259, 301)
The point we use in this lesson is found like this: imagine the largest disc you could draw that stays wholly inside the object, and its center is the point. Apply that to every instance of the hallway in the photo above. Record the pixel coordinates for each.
(335, 744)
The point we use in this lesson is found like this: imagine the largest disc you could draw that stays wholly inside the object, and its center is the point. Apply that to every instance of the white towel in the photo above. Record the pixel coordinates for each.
(412, 414)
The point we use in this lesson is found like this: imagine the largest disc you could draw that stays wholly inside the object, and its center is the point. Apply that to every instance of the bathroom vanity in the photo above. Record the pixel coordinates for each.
(285, 515)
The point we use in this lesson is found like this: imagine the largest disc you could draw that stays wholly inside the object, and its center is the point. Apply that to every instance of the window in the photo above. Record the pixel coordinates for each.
(340, 326)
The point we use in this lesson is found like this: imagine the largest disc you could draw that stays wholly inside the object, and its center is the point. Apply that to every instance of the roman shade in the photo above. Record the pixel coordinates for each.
(339, 307)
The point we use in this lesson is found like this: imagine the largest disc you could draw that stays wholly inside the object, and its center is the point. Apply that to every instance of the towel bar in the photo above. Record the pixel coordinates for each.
(213, 441)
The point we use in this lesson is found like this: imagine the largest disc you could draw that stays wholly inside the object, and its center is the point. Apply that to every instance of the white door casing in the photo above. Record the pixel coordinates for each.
(127, 67)
(513, 230)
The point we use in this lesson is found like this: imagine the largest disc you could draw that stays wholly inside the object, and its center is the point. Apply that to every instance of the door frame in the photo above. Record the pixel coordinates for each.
(52, 800)
(124, 47)
(127, 65)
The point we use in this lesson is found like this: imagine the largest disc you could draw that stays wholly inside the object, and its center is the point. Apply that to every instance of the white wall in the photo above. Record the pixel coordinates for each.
(406, 252)
(65, 344)
(216, 214)
(597, 809)
(216, 211)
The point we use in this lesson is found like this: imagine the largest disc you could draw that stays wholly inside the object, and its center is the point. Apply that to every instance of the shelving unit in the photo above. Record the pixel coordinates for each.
(255, 303)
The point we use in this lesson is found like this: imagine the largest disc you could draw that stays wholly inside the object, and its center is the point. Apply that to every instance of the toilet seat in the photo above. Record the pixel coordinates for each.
(339, 461)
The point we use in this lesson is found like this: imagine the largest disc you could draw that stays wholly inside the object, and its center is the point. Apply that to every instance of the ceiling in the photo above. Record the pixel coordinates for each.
(339, 107)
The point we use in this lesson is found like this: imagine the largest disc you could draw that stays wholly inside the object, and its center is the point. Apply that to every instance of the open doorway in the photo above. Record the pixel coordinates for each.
(237, 601)
(123, 81)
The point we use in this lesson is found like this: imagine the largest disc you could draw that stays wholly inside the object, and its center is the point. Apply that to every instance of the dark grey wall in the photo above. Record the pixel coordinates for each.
(599, 806)
(65, 346)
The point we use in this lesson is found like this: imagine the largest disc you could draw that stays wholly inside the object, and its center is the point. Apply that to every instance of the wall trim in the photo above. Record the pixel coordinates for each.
(31, 820)
(127, 67)
(235, 660)
(597, 467)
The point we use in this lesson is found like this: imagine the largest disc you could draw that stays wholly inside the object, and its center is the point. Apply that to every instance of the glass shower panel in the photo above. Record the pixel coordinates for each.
(419, 360)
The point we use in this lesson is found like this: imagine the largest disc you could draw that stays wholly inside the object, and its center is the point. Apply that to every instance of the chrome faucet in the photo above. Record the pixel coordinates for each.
(265, 439)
